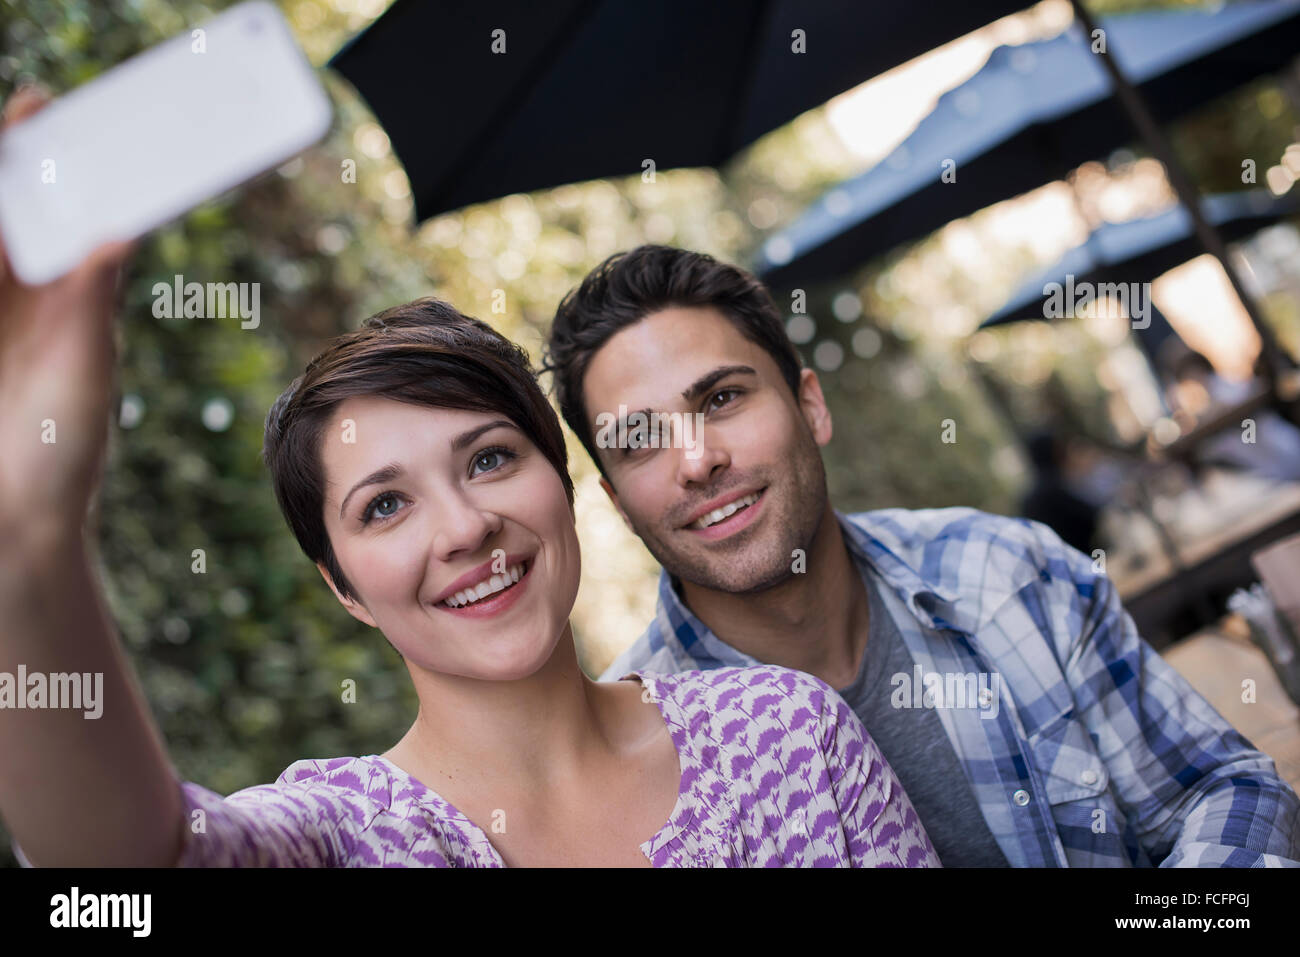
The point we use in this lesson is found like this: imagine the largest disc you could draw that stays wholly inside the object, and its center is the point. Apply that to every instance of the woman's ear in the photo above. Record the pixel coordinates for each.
(355, 609)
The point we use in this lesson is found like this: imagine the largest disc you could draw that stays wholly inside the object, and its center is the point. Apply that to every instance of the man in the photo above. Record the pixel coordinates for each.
(1052, 499)
(993, 664)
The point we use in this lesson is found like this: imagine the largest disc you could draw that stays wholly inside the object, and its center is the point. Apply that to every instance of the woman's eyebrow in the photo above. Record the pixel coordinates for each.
(393, 469)
(385, 474)
(465, 438)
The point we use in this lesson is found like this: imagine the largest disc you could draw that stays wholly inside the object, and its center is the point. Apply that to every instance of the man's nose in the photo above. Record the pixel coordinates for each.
(701, 463)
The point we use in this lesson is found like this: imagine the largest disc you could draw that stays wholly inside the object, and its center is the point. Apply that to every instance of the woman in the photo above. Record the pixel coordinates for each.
(421, 468)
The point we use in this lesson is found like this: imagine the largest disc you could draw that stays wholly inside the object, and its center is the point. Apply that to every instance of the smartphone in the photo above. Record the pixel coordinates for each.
(155, 136)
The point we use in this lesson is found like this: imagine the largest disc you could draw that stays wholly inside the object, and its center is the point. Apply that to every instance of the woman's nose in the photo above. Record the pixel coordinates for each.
(462, 526)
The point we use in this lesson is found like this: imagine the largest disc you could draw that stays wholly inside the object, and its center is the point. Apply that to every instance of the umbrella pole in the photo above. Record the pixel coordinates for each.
(1276, 360)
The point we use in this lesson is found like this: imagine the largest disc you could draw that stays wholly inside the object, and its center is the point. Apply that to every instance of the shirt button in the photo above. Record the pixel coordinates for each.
(986, 697)
(1089, 776)
(1021, 797)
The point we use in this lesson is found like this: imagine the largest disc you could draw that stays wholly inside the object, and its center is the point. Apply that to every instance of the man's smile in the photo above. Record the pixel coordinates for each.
(727, 514)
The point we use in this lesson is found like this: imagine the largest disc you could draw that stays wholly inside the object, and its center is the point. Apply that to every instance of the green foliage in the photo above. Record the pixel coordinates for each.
(242, 664)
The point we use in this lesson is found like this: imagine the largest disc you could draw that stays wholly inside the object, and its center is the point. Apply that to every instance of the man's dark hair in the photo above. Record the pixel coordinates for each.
(629, 286)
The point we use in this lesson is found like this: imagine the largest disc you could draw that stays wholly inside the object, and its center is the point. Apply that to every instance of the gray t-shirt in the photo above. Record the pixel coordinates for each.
(915, 744)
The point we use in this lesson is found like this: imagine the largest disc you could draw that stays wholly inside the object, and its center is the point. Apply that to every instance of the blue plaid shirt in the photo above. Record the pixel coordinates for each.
(1100, 754)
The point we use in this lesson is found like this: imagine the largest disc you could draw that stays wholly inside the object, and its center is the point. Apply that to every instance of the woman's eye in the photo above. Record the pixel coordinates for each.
(490, 459)
(375, 508)
(487, 461)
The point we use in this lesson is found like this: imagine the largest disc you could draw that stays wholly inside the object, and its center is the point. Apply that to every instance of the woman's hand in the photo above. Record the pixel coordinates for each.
(74, 790)
(57, 360)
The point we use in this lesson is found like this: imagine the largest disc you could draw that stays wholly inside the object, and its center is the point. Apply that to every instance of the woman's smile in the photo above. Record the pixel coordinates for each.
(500, 591)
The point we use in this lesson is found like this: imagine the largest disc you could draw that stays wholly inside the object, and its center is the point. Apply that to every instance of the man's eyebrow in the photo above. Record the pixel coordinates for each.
(691, 393)
(393, 469)
(707, 381)
(622, 427)
(621, 424)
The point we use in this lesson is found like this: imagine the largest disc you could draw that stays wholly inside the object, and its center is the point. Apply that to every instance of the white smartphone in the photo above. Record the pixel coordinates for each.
(155, 136)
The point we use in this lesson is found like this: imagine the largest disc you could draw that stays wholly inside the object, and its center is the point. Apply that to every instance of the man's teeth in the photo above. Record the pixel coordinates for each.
(731, 508)
(489, 586)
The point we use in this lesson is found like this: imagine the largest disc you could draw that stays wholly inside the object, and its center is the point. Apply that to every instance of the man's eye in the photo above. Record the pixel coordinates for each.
(647, 436)
(726, 392)
(375, 509)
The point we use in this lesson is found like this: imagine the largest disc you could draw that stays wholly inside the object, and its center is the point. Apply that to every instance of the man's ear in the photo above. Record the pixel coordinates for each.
(355, 609)
(812, 404)
(613, 497)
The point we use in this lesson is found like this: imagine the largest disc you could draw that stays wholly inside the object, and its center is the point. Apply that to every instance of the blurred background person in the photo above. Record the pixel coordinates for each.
(1053, 499)
(1271, 450)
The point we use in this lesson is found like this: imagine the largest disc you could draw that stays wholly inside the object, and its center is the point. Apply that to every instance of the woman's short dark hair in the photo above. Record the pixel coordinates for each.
(629, 286)
(423, 352)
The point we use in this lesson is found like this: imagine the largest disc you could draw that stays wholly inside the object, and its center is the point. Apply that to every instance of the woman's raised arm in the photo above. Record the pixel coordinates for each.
(75, 790)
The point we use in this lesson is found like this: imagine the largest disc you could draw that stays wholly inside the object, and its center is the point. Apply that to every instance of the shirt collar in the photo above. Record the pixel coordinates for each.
(874, 542)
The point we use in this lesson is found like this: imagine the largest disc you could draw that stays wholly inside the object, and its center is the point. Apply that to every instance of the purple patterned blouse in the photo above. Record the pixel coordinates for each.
(777, 771)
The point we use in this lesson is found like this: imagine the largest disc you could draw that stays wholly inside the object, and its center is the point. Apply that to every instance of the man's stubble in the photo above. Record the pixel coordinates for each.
(761, 556)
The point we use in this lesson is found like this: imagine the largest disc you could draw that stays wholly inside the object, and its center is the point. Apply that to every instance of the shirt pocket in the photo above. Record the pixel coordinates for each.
(1067, 762)
(1089, 823)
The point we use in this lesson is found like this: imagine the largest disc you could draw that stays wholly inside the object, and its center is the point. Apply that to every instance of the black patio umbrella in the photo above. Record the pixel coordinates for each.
(572, 90)
(1139, 250)
(1032, 113)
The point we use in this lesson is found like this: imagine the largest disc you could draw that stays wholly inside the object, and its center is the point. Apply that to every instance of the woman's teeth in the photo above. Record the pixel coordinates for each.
(489, 586)
(731, 508)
